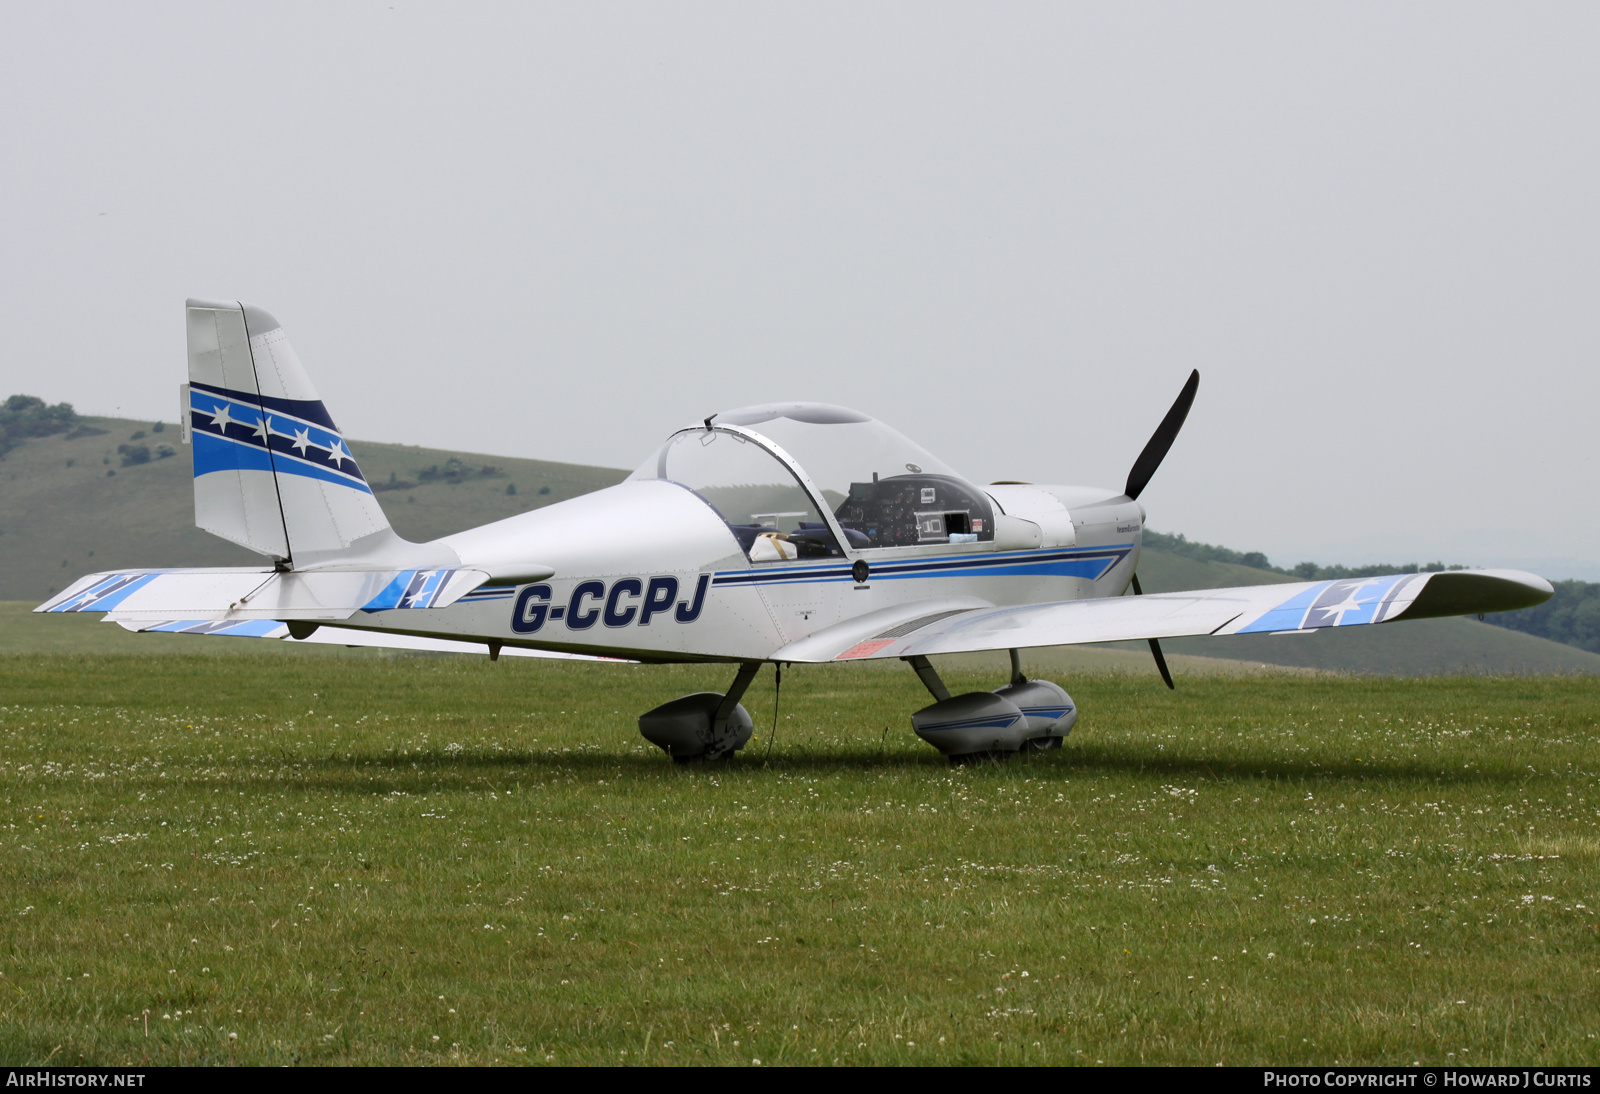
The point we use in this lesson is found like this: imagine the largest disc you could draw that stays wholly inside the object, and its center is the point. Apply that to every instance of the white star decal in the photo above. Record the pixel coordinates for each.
(302, 440)
(264, 430)
(338, 455)
(220, 418)
(1349, 603)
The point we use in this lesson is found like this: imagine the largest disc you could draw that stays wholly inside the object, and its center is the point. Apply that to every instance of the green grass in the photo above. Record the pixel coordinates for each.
(403, 860)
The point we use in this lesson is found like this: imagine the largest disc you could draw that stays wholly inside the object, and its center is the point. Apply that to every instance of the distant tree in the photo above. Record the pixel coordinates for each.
(1571, 616)
(1204, 552)
(395, 483)
(1306, 571)
(159, 427)
(133, 454)
(511, 489)
(25, 416)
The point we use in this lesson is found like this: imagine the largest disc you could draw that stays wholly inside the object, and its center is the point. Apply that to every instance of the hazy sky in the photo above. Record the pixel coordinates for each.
(1009, 230)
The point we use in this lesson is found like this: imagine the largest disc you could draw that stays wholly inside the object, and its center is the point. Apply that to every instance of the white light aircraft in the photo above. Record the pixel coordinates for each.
(790, 533)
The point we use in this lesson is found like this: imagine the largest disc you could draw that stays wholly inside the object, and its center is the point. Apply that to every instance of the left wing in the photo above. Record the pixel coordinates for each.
(1253, 609)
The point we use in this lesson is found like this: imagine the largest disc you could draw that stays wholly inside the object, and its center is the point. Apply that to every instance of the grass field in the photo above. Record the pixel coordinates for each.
(363, 860)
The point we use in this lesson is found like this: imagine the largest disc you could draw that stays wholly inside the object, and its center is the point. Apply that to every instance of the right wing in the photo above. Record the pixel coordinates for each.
(1253, 609)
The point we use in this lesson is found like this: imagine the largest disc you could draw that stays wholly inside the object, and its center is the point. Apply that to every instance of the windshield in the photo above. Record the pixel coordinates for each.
(764, 506)
(884, 489)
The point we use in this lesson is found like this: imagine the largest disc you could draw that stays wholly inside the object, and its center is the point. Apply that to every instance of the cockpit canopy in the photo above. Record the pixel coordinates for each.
(792, 479)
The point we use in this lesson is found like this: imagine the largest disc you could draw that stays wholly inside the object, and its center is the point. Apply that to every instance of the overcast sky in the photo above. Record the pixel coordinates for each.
(1009, 230)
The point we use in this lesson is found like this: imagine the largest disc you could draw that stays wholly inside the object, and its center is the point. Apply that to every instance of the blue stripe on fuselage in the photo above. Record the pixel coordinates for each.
(1091, 563)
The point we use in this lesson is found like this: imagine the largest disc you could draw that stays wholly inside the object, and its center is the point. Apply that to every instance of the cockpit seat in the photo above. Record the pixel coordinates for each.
(773, 547)
(746, 534)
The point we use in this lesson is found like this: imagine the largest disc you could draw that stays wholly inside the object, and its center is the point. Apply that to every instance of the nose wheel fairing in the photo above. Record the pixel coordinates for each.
(706, 725)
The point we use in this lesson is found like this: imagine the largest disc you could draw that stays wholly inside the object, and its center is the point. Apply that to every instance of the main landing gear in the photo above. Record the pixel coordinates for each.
(1024, 715)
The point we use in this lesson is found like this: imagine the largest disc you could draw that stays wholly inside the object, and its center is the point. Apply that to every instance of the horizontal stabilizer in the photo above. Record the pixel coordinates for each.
(1253, 609)
(237, 595)
(345, 636)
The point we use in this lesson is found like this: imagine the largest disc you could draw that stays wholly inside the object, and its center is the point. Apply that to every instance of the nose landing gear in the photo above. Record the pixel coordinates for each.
(707, 725)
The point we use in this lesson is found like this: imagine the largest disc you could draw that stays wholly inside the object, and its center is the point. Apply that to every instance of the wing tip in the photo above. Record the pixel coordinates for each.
(1477, 592)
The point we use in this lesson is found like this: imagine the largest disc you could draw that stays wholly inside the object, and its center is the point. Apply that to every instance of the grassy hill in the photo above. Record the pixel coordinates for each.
(70, 505)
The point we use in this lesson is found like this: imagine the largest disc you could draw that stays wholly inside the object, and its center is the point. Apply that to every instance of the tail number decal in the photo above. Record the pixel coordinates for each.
(628, 602)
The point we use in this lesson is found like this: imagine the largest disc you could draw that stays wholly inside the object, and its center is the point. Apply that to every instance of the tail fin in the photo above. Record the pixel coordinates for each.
(271, 470)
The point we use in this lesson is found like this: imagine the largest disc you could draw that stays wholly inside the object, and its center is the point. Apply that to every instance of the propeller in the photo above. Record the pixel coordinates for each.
(1155, 647)
(1154, 452)
(1145, 467)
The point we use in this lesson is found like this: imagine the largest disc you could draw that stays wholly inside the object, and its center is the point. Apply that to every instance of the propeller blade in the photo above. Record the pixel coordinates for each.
(1167, 432)
(1155, 647)
(1161, 663)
